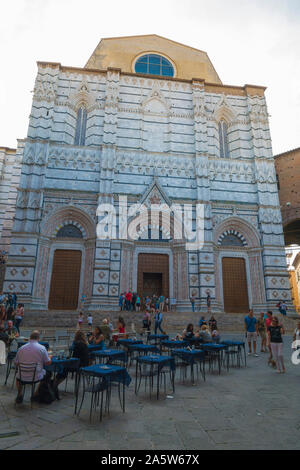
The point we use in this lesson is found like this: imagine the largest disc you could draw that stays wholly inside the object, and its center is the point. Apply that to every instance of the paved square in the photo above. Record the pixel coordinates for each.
(247, 408)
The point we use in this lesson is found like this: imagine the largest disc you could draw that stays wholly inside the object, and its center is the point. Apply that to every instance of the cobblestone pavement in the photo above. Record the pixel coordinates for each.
(248, 408)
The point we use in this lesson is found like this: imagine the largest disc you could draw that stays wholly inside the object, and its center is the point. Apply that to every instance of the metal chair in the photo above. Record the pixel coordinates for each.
(146, 371)
(94, 386)
(27, 369)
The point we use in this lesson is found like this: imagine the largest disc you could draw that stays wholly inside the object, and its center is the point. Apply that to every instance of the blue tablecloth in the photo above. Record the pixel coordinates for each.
(112, 373)
(128, 342)
(144, 348)
(43, 343)
(189, 356)
(111, 354)
(95, 347)
(233, 343)
(159, 337)
(161, 361)
(59, 365)
(174, 344)
(214, 346)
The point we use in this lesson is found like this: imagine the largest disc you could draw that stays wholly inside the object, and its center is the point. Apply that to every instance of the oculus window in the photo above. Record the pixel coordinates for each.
(154, 64)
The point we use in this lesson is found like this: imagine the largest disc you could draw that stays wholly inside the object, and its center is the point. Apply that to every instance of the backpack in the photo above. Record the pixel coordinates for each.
(46, 392)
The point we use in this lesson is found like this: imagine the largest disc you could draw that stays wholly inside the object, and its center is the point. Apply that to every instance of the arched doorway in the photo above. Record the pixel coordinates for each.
(65, 280)
(235, 290)
(239, 268)
(65, 259)
(66, 269)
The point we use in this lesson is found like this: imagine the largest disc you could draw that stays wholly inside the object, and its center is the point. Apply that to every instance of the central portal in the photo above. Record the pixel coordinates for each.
(153, 275)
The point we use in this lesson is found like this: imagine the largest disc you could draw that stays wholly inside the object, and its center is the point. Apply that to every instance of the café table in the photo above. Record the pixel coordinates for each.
(175, 344)
(108, 355)
(191, 357)
(160, 362)
(195, 341)
(237, 346)
(157, 338)
(60, 365)
(128, 342)
(214, 350)
(142, 350)
(108, 374)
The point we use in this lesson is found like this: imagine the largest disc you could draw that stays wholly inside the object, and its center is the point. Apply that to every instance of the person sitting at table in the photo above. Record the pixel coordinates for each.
(120, 329)
(79, 351)
(97, 338)
(188, 333)
(32, 352)
(205, 335)
(11, 331)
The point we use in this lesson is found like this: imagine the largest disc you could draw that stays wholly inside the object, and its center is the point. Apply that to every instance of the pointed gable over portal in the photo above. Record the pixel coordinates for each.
(155, 194)
(122, 53)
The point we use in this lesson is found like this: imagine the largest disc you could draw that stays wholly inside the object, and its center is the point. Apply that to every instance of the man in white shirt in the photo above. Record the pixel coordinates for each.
(32, 352)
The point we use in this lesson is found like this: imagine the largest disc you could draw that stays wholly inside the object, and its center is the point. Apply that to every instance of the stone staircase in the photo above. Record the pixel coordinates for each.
(172, 321)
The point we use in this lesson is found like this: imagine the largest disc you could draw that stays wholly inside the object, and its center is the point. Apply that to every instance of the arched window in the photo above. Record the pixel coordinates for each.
(223, 139)
(80, 126)
(69, 231)
(154, 64)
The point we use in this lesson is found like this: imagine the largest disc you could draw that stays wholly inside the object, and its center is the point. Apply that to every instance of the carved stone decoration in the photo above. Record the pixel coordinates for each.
(82, 97)
(44, 90)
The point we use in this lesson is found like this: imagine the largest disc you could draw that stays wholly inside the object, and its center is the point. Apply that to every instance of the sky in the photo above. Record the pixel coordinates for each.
(248, 41)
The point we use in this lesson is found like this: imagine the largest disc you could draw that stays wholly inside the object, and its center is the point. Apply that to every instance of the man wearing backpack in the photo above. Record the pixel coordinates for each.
(251, 332)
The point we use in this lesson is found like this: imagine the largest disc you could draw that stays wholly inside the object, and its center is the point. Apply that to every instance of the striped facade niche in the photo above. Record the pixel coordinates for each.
(233, 233)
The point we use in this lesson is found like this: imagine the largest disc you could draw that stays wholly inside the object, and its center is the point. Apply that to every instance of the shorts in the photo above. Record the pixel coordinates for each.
(262, 335)
(251, 336)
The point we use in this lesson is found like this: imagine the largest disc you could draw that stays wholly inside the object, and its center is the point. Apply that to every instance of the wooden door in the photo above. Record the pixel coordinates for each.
(235, 285)
(65, 280)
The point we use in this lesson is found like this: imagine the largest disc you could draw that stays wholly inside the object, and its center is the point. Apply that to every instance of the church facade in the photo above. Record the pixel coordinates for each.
(149, 120)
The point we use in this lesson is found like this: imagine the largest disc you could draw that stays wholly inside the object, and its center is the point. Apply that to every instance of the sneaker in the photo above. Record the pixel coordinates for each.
(19, 399)
(249, 354)
(256, 355)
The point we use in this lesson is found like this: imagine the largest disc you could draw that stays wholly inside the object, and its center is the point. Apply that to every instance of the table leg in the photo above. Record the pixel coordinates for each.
(77, 392)
(124, 392)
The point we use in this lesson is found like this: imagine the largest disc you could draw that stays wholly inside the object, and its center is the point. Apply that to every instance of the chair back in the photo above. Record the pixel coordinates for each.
(27, 371)
(2, 353)
(13, 347)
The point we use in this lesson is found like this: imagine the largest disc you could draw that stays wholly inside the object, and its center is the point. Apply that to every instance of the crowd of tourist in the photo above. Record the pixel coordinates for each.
(131, 301)
(267, 327)
(11, 317)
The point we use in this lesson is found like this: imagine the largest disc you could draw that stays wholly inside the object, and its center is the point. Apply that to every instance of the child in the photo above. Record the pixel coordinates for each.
(90, 320)
(80, 320)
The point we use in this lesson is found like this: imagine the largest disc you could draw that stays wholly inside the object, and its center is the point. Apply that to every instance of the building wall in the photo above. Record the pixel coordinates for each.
(288, 174)
(288, 171)
(146, 137)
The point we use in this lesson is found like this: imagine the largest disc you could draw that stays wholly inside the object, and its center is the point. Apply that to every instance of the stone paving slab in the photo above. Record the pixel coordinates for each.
(247, 408)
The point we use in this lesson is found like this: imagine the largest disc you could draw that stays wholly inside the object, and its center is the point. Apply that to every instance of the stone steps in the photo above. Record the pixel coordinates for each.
(172, 321)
